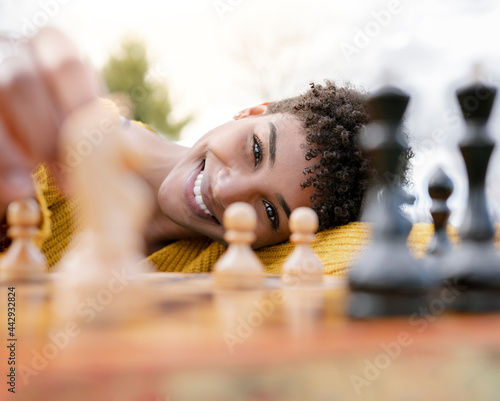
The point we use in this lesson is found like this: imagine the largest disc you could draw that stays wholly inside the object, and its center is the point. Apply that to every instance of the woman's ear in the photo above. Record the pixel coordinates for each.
(251, 111)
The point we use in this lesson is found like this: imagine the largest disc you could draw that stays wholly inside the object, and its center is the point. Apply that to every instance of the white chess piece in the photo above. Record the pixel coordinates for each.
(116, 203)
(238, 272)
(24, 266)
(302, 276)
(302, 266)
(105, 261)
(23, 261)
(239, 266)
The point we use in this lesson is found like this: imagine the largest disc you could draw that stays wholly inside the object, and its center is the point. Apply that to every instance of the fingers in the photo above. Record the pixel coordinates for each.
(15, 177)
(68, 80)
(26, 109)
(16, 185)
(39, 87)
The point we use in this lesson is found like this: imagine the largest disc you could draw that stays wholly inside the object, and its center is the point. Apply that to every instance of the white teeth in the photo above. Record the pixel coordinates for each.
(197, 194)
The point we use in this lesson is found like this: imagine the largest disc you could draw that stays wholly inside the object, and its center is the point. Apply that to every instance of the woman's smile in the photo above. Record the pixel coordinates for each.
(198, 196)
(195, 194)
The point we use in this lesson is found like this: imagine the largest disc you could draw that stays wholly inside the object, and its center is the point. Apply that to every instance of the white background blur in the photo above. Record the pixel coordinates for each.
(219, 56)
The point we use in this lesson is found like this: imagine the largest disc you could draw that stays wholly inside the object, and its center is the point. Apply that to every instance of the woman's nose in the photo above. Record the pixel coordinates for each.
(234, 186)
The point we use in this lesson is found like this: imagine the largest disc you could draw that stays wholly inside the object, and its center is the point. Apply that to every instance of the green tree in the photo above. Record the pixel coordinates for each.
(129, 73)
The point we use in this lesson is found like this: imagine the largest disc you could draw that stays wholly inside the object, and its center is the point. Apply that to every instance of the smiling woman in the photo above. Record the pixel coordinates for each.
(301, 151)
(257, 160)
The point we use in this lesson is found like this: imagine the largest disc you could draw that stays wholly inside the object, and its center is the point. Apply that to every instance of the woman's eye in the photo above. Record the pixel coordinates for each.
(257, 150)
(272, 215)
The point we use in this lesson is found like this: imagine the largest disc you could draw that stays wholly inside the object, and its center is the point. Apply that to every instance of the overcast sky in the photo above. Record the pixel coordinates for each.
(219, 56)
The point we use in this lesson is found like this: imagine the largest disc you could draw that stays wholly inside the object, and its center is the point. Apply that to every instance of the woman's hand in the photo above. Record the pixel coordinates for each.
(39, 86)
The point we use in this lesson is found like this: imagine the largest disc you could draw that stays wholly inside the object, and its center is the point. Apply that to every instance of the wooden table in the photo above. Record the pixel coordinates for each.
(193, 343)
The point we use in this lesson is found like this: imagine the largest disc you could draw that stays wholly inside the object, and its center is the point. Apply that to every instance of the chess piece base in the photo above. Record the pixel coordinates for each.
(475, 265)
(477, 300)
(366, 305)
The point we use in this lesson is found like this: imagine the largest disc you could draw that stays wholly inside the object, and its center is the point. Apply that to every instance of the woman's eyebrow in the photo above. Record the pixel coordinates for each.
(272, 158)
(284, 205)
(272, 144)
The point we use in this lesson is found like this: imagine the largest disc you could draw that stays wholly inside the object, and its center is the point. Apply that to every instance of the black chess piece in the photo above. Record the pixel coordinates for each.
(386, 280)
(440, 189)
(404, 198)
(474, 268)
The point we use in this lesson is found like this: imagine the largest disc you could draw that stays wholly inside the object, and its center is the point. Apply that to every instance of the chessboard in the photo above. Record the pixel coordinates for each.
(105, 327)
(192, 341)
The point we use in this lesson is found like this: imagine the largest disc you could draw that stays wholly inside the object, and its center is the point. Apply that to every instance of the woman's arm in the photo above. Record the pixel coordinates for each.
(161, 157)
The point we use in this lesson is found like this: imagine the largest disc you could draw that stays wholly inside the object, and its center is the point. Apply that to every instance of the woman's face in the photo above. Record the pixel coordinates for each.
(258, 160)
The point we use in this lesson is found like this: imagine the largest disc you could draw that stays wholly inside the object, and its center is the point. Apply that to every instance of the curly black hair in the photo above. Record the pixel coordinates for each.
(332, 117)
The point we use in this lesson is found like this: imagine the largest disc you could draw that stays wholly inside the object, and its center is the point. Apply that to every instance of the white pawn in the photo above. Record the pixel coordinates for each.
(239, 266)
(104, 262)
(303, 266)
(23, 262)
